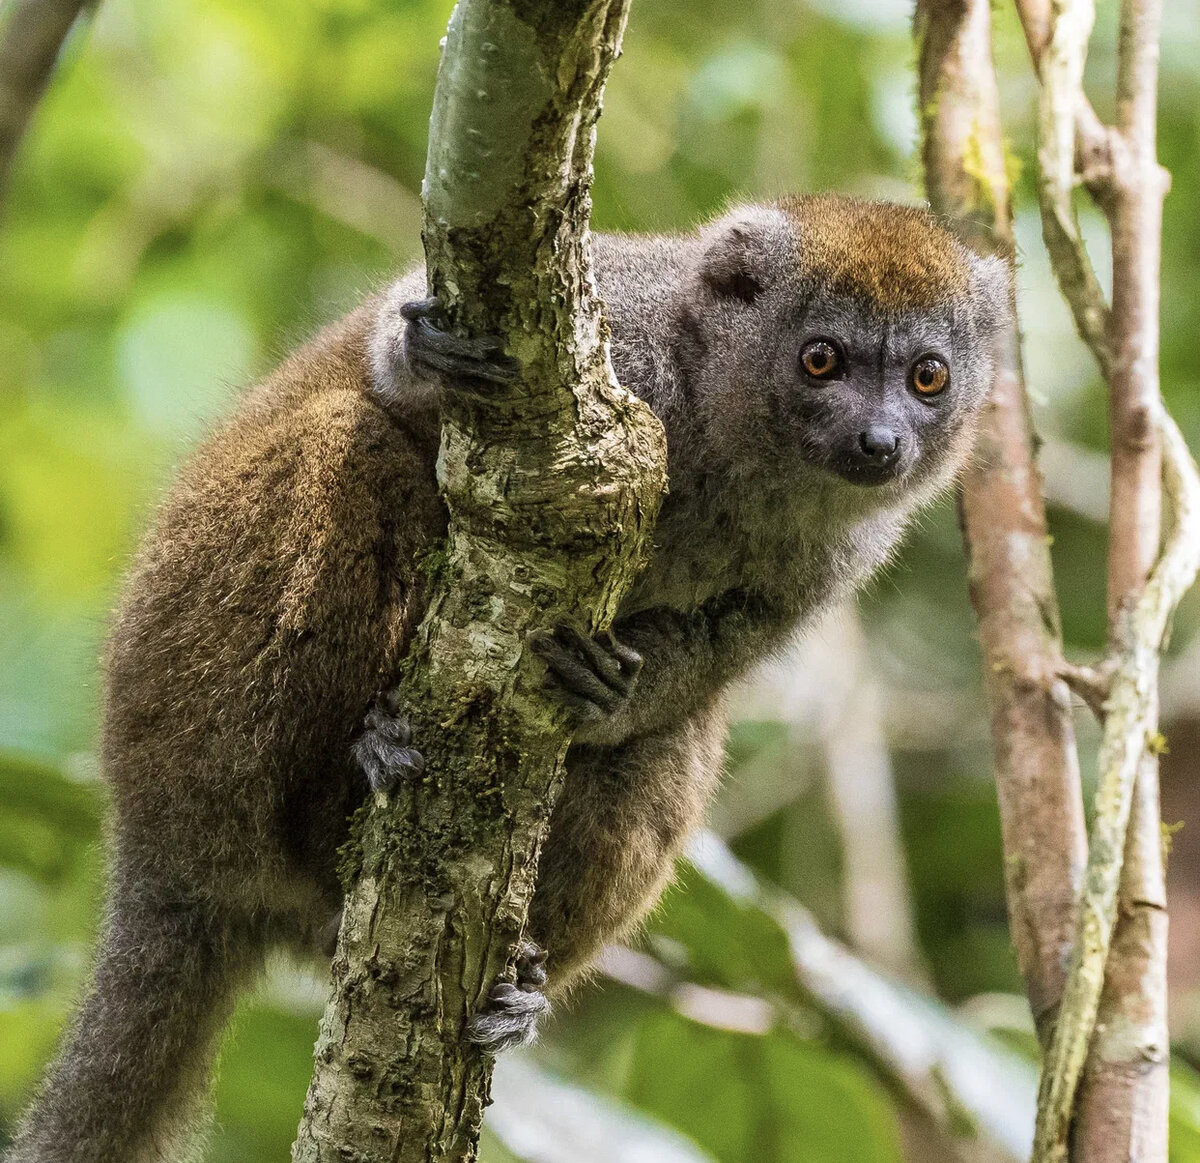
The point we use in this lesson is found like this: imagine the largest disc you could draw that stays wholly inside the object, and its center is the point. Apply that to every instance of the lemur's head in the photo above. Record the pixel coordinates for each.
(848, 336)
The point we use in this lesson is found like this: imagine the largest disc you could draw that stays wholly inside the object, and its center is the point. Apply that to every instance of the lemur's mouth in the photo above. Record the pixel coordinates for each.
(868, 475)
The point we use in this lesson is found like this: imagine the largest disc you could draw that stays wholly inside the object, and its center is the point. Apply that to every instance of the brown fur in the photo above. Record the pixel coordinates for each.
(898, 256)
(276, 594)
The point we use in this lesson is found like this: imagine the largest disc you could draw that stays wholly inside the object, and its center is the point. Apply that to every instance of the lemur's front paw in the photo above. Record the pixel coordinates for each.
(593, 676)
(433, 351)
(383, 750)
(513, 1011)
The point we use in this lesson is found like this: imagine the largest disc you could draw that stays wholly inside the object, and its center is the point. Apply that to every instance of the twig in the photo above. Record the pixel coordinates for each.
(1091, 683)
(1128, 729)
(33, 34)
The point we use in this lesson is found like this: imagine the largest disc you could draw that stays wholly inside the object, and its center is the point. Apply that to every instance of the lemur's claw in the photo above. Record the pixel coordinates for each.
(593, 676)
(513, 1011)
(383, 750)
(436, 352)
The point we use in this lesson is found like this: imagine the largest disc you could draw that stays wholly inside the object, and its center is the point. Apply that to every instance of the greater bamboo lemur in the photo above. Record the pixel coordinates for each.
(818, 364)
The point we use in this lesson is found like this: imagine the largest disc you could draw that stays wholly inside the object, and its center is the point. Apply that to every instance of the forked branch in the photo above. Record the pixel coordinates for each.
(1004, 529)
(1112, 1022)
(1129, 727)
(1060, 60)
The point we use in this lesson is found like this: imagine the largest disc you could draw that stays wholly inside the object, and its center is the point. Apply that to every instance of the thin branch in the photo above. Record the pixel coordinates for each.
(1060, 69)
(30, 41)
(1093, 684)
(1122, 1113)
(1093, 139)
(1128, 732)
(1004, 526)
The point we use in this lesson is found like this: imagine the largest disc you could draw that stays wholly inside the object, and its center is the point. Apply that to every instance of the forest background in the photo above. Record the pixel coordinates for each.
(206, 183)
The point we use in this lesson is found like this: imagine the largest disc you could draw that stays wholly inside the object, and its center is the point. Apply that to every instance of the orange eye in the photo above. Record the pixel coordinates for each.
(821, 359)
(930, 376)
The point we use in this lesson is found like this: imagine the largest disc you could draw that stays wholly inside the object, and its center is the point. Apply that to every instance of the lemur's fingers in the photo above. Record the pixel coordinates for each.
(630, 660)
(531, 966)
(433, 349)
(382, 750)
(574, 675)
(593, 675)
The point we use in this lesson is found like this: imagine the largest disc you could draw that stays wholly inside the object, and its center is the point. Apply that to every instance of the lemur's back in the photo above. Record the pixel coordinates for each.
(270, 603)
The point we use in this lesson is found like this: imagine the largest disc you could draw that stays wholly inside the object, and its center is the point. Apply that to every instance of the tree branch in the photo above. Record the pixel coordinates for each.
(1004, 527)
(1122, 1112)
(552, 487)
(1129, 727)
(1059, 61)
(33, 34)
(1093, 140)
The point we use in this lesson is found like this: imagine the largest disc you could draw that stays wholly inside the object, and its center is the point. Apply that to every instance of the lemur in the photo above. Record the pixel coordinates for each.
(818, 364)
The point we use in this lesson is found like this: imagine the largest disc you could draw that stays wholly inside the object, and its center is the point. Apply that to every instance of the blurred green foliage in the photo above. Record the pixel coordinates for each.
(206, 182)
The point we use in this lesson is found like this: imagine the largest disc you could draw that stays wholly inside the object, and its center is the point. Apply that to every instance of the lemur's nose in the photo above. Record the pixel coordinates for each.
(879, 444)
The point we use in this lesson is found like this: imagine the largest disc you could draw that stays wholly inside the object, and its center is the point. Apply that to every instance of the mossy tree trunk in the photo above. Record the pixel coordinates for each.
(552, 487)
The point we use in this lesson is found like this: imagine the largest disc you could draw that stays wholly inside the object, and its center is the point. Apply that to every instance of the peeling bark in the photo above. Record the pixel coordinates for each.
(552, 488)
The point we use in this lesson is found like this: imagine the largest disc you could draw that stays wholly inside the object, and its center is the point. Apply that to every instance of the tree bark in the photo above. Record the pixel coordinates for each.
(1116, 1009)
(552, 488)
(1004, 528)
(33, 34)
(1111, 1007)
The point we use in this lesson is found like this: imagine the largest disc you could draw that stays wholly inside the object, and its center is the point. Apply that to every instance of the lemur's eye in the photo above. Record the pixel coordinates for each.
(929, 376)
(821, 359)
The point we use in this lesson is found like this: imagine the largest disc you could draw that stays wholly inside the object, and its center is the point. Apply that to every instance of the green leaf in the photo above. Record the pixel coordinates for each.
(1185, 1114)
(761, 1098)
(46, 820)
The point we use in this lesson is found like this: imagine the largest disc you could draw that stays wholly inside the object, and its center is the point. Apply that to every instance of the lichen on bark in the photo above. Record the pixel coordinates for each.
(552, 488)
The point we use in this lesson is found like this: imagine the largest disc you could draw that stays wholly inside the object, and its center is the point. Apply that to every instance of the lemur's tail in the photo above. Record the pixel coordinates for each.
(133, 1069)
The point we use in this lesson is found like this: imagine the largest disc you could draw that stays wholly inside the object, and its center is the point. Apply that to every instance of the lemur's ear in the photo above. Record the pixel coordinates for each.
(736, 251)
(992, 290)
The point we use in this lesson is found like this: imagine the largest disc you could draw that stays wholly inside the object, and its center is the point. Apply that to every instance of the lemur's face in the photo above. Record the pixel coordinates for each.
(867, 397)
(849, 337)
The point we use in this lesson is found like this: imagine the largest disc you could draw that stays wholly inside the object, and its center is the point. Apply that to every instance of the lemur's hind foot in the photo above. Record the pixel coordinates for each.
(513, 1010)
